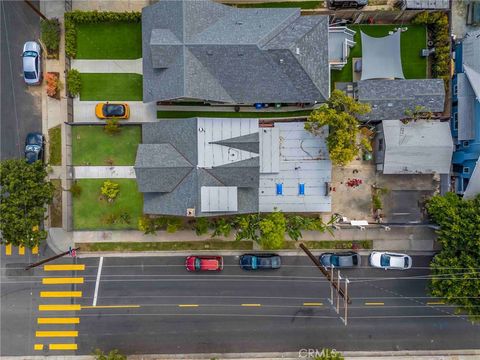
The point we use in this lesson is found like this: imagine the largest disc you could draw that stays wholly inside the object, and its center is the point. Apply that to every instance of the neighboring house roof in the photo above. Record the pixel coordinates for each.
(391, 98)
(419, 147)
(473, 187)
(209, 51)
(466, 108)
(381, 57)
(340, 40)
(474, 79)
(471, 50)
(180, 160)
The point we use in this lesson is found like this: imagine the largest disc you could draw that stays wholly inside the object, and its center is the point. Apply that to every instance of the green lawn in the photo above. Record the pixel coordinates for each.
(111, 87)
(55, 146)
(220, 114)
(411, 43)
(285, 4)
(92, 212)
(92, 146)
(120, 40)
(167, 246)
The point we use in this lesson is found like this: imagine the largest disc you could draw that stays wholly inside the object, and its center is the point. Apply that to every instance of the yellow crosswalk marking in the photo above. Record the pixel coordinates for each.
(58, 307)
(57, 294)
(188, 305)
(62, 347)
(312, 304)
(374, 303)
(59, 280)
(21, 250)
(64, 267)
(35, 250)
(58, 320)
(254, 305)
(8, 249)
(435, 303)
(56, 333)
(38, 347)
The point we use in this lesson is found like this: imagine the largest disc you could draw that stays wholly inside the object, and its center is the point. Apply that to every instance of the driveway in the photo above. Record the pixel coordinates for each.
(84, 111)
(21, 111)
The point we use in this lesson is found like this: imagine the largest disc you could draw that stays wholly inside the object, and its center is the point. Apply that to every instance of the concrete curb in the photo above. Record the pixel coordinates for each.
(468, 354)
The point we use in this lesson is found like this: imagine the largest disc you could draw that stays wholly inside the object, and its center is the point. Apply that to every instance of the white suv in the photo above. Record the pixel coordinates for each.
(388, 260)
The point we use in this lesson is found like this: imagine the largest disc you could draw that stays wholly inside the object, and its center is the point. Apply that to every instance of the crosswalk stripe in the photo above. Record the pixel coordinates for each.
(59, 307)
(59, 280)
(56, 333)
(57, 294)
(35, 250)
(74, 320)
(64, 267)
(38, 347)
(62, 347)
(8, 249)
(21, 250)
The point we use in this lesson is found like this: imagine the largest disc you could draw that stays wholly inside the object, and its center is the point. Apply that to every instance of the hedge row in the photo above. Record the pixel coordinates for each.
(91, 17)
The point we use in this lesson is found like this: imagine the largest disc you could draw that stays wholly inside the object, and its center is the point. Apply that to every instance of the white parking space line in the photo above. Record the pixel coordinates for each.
(97, 282)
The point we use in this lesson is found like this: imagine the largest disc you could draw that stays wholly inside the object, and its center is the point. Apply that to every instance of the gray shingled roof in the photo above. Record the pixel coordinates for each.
(168, 175)
(391, 98)
(205, 50)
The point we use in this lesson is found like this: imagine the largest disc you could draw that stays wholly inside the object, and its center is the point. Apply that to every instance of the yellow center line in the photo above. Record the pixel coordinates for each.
(57, 294)
(435, 303)
(60, 280)
(58, 320)
(188, 305)
(56, 333)
(8, 249)
(109, 306)
(64, 267)
(374, 303)
(21, 250)
(62, 347)
(312, 304)
(58, 307)
(252, 305)
(38, 347)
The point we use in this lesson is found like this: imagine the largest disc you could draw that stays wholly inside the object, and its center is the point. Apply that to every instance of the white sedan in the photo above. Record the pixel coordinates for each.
(388, 260)
(32, 67)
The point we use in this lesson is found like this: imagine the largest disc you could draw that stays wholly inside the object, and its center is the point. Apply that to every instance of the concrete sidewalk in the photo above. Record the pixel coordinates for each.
(104, 172)
(108, 66)
(84, 111)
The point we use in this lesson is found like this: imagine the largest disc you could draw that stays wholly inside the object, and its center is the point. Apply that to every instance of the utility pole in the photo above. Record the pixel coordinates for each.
(70, 251)
(38, 12)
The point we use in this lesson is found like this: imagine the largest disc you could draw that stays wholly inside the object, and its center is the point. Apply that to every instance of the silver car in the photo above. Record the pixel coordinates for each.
(388, 260)
(32, 67)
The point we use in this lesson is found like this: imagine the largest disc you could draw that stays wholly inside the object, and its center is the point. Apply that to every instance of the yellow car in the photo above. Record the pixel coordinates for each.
(112, 110)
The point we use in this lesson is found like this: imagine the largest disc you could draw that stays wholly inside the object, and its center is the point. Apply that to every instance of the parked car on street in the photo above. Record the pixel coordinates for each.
(204, 263)
(112, 110)
(260, 261)
(347, 259)
(32, 66)
(34, 147)
(387, 260)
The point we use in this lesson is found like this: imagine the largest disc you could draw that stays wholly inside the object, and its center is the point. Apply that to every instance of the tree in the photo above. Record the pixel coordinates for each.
(112, 355)
(24, 194)
(456, 268)
(272, 231)
(340, 115)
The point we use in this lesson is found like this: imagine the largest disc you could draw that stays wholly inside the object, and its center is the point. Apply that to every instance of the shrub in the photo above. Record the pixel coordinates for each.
(90, 17)
(272, 231)
(112, 127)
(201, 226)
(112, 355)
(50, 35)
(146, 224)
(110, 190)
(74, 82)
(53, 84)
(75, 190)
(376, 202)
(174, 224)
(222, 227)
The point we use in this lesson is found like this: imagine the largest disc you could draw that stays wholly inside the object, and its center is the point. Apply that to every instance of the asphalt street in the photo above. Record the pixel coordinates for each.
(153, 305)
(20, 104)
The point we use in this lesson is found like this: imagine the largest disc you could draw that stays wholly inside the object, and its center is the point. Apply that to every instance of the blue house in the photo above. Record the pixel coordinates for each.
(465, 122)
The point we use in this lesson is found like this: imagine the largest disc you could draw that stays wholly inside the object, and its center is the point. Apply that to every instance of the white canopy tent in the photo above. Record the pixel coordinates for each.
(381, 57)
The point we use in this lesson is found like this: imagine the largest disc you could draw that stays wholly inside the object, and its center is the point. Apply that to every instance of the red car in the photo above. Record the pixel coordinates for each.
(204, 263)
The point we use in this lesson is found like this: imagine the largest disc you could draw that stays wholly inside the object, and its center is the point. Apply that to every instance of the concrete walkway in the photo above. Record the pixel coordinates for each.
(108, 66)
(104, 172)
(84, 111)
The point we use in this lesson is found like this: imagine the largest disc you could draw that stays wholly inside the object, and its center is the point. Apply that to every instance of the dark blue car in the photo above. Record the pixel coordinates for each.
(260, 261)
(33, 147)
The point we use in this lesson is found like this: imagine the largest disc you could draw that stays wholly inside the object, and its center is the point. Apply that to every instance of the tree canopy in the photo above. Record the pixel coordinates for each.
(456, 268)
(340, 115)
(24, 193)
